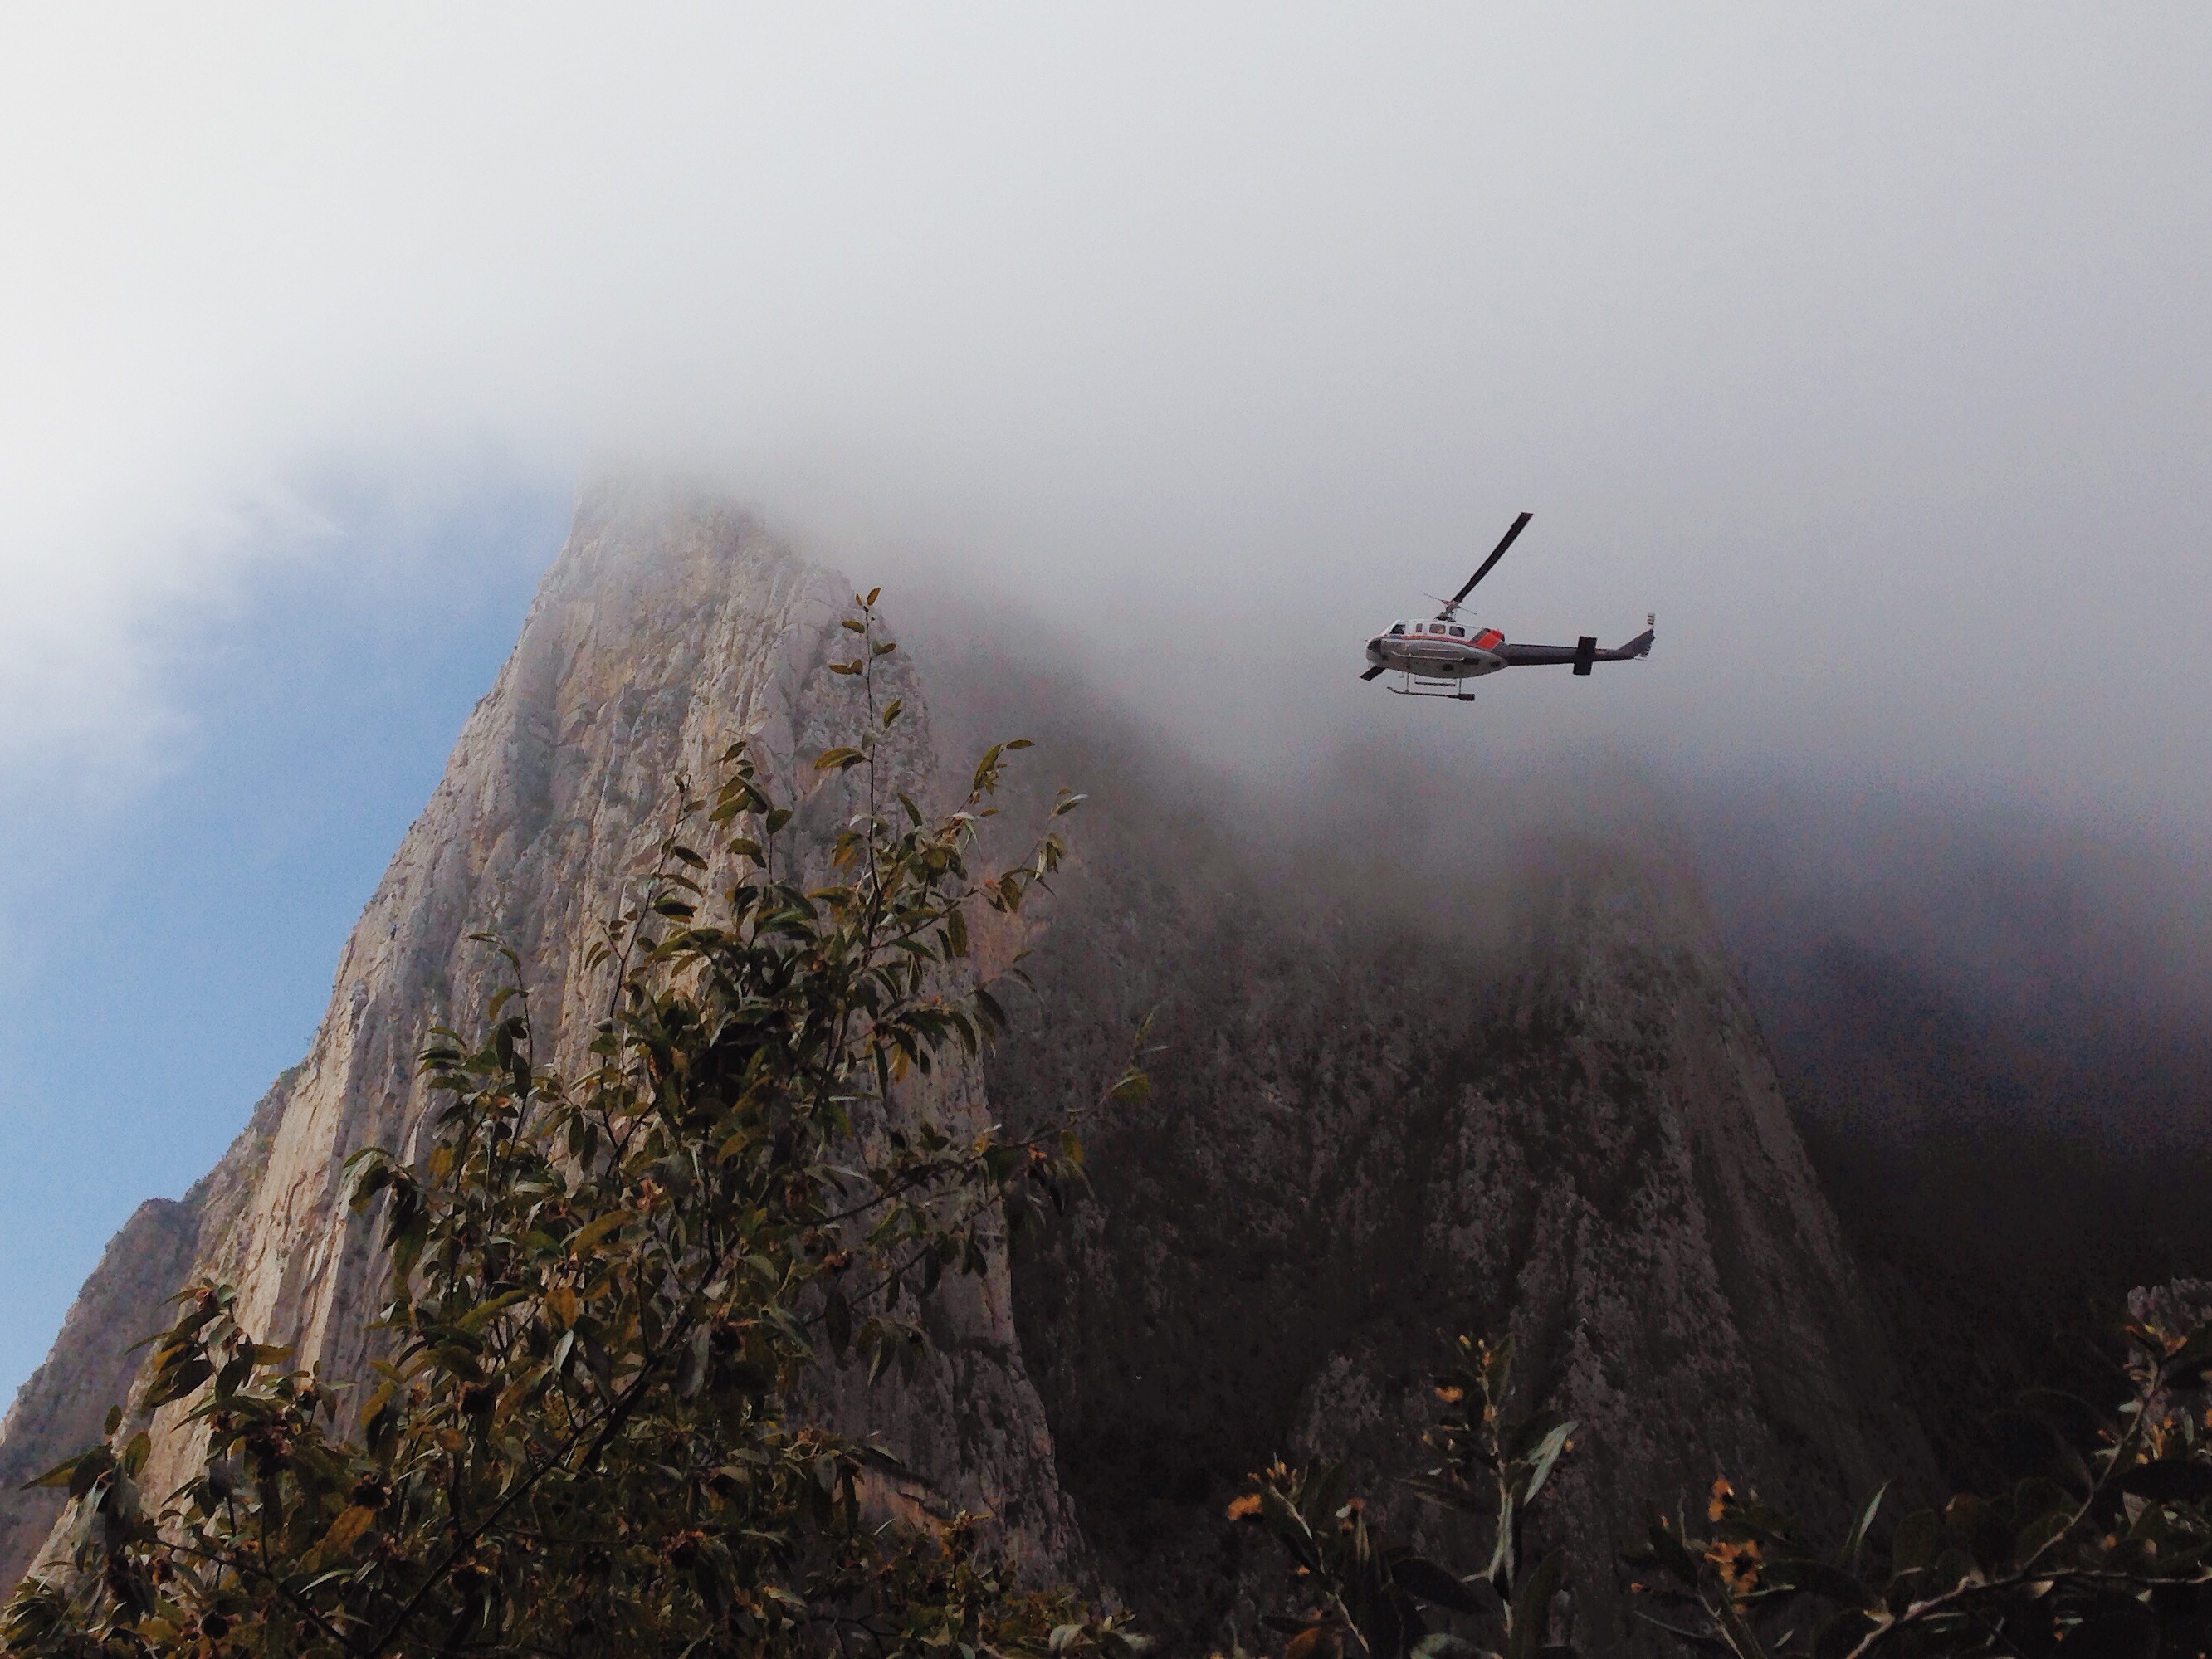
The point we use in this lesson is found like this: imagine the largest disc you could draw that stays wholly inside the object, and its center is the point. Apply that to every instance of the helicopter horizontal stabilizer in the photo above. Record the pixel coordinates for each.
(1372, 672)
(1581, 654)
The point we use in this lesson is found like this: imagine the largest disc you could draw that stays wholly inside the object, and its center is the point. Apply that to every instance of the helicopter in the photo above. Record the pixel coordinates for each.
(1438, 657)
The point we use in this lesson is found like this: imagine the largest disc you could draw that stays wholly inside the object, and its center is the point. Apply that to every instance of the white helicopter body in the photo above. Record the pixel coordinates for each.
(1438, 656)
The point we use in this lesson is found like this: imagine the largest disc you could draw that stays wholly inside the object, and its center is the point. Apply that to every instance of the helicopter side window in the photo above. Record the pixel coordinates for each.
(1458, 632)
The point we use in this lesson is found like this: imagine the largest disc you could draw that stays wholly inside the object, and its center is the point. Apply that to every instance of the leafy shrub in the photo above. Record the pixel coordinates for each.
(608, 1296)
(2104, 1549)
(1492, 1468)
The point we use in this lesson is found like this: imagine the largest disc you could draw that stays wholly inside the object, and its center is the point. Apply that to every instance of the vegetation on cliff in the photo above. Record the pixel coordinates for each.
(2103, 1546)
(616, 1302)
(610, 1295)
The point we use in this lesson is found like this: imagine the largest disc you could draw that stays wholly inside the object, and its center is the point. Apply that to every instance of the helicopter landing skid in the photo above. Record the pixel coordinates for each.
(1454, 690)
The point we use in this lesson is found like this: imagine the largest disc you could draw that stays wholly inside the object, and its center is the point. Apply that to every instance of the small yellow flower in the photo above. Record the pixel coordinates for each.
(1449, 1395)
(1244, 1508)
(1722, 1493)
(1738, 1565)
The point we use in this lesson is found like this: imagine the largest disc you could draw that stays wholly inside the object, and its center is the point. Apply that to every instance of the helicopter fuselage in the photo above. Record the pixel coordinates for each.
(1438, 650)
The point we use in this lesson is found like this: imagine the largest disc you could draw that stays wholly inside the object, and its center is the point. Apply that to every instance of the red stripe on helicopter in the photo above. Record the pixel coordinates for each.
(1489, 640)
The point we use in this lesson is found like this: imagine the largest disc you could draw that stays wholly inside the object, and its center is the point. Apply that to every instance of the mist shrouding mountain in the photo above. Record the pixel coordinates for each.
(1868, 350)
(1435, 1047)
(1997, 1037)
(1864, 348)
(1424, 1060)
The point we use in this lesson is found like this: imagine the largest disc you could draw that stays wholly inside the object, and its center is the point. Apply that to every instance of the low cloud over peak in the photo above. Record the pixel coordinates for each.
(1865, 349)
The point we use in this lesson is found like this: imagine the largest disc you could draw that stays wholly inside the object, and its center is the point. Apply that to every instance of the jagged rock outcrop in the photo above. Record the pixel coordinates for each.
(1372, 1130)
(64, 1401)
(663, 632)
(62, 1408)
(1531, 1102)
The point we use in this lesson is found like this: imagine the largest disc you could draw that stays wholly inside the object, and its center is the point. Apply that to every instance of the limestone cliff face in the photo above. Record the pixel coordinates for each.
(1371, 1132)
(1543, 1110)
(61, 1408)
(661, 634)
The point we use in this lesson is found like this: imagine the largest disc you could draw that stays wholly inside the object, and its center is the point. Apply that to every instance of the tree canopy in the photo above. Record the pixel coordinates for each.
(612, 1298)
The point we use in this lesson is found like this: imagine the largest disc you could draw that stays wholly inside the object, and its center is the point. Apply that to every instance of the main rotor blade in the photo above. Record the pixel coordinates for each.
(1497, 553)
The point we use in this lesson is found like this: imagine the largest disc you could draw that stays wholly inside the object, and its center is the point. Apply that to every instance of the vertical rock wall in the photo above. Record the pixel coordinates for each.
(1511, 1090)
(1542, 1107)
(663, 632)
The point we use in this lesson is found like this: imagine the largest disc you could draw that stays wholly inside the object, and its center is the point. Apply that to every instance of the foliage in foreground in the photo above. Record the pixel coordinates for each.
(2102, 1551)
(610, 1295)
(1491, 1469)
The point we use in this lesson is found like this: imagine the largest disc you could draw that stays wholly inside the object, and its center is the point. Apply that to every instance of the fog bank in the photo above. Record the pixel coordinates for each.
(1864, 348)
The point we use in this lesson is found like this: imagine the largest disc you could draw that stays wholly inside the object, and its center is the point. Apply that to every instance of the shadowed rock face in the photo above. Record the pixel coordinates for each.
(62, 1408)
(1541, 1108)
(64, 1401)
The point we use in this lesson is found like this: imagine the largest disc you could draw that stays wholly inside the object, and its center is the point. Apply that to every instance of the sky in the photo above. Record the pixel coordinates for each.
(1866, 346)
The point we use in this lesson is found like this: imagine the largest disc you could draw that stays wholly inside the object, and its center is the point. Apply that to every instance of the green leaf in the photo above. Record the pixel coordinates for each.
(1669, 1553)
(598, 1229)
(1546, 1453)
(65, 1475)
(1742, 1641)
(1423, 1579)
(1504, 1561)
(176, 1382)
(1918, 1539)
(1804, 1573)
(1532, 1604)
(1855, 1540)
(1289, 1528)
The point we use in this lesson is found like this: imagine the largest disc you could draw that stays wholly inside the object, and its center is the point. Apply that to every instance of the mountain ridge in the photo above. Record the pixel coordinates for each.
(1589, 1151)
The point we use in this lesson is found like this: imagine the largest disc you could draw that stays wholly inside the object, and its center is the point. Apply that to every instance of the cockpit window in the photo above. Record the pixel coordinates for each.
(1397, 628)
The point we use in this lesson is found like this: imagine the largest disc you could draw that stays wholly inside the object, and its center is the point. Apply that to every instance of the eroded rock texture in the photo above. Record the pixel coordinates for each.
(1535, 1103)
(663, 633)
(1367, 1137)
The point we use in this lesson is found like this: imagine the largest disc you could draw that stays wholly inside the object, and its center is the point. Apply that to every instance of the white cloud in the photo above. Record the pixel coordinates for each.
(1869, 348)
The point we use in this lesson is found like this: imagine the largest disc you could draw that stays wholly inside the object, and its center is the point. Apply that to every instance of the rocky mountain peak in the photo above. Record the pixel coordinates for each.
(1368, 1129)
